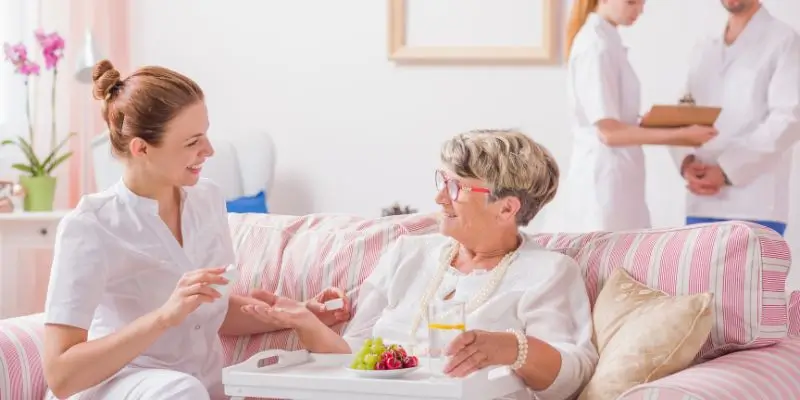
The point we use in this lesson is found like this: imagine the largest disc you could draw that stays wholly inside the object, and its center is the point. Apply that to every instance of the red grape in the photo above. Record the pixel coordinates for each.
(394, 363)
(410, 362)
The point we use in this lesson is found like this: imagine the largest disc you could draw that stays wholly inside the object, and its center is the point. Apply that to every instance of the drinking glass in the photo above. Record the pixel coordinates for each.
(446, 320)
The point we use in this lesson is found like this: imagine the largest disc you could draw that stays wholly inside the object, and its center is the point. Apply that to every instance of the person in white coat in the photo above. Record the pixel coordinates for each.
(132, 311)
(605, 183)
(752, 71)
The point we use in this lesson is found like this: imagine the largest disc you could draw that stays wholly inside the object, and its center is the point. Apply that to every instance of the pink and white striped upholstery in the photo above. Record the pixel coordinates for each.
(21, 375)
(744, 264)
(794, 314)
(768, 373)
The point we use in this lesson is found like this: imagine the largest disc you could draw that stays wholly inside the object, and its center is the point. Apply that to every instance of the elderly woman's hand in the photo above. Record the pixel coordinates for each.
(330, 317)
(474, 350)
(284, 313)
(278, 311)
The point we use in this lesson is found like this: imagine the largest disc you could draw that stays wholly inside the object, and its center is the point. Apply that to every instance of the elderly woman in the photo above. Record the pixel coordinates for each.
(526, 306)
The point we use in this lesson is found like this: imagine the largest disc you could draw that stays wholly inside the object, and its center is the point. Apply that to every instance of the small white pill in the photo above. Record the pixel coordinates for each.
(231, 274)
(334, 304)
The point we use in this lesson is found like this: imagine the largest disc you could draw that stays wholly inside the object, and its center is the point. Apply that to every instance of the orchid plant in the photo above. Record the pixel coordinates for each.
(52, 45)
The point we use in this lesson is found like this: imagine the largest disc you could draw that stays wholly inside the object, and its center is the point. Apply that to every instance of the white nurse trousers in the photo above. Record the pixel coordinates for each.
(147, 384)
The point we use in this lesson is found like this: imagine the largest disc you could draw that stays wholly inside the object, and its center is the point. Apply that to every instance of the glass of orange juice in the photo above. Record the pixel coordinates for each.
(446, 320)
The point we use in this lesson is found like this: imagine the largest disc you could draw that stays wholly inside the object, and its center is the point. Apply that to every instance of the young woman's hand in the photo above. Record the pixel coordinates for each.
(696, 135)
(191, 291)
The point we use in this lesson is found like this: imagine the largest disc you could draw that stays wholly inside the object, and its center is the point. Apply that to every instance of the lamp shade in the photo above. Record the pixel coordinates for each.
(87, 58)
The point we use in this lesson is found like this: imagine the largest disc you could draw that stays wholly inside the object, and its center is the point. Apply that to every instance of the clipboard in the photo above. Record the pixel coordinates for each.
(676, 116)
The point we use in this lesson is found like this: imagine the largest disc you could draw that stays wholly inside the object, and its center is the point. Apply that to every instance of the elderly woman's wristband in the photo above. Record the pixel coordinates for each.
(522, 349)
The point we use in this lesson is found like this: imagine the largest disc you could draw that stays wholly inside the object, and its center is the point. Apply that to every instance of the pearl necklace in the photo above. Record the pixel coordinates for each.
(445, 261)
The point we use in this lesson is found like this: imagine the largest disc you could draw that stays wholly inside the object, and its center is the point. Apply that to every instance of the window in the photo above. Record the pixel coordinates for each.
(16, 17)
(10, 31)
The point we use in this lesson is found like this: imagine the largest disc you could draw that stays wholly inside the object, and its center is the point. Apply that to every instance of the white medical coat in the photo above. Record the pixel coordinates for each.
(115, 260)
(605, 186)
(756, 82)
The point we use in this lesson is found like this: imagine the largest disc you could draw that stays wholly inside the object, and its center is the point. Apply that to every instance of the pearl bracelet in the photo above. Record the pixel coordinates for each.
(522, 349)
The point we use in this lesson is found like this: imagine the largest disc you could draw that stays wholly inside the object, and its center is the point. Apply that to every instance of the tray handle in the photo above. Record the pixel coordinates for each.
(284, 359)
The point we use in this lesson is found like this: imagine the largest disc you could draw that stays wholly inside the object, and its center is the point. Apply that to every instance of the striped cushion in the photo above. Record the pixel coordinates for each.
(21, 375)
(744, 265)
(794, 314)
(297, 257)
(771, 373)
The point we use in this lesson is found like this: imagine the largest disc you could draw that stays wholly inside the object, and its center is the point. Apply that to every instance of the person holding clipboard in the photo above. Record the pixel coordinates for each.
(751, 71)
(605, 183)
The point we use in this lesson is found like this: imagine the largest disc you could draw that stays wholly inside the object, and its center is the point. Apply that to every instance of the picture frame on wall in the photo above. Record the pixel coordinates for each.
(543, 51)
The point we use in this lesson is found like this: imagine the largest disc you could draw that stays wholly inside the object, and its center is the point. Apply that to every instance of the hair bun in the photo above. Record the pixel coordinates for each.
(106, 79)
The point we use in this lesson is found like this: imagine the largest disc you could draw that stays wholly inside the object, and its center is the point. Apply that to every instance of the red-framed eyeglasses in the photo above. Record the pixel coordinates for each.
(454, 187)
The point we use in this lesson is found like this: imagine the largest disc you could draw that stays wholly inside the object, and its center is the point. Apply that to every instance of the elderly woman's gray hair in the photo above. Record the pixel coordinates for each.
(510, 162)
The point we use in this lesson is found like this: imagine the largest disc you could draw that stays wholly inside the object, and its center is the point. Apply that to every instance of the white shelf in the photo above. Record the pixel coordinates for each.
(34, 216)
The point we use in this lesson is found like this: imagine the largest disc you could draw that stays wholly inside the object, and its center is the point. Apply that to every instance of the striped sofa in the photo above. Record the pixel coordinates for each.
(753, 351)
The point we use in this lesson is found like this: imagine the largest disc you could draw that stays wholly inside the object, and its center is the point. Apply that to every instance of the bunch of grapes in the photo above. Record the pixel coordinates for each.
(374, 355)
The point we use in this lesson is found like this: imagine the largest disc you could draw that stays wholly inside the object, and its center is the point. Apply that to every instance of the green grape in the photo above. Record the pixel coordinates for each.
(370, 360)
(377, 348)
(361, 353)
(367, 343)
(361, 366)
(378, 340)
(355, 364)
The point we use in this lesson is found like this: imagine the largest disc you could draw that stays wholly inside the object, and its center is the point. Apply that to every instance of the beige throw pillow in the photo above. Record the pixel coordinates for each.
(643, 334)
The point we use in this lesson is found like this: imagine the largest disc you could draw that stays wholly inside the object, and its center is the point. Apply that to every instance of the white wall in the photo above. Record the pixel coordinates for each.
(355, 132)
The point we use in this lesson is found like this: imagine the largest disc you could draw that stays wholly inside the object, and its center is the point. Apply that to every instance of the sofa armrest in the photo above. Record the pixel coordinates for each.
(765, 373)
(21, 374)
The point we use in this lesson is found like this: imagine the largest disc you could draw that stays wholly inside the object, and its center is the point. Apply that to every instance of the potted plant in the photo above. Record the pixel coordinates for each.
(38, 179)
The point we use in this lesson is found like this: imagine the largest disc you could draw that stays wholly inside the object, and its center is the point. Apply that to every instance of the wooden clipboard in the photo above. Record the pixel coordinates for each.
(676, 116)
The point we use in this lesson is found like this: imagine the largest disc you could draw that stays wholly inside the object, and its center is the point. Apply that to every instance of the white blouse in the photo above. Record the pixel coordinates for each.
(542, 293)
(115, 260)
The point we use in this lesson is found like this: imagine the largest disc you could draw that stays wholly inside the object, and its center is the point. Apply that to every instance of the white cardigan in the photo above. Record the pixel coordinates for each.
(542, 293)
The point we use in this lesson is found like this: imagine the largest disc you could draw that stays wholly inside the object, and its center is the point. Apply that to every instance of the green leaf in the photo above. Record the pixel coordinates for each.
(23, 168)
(29, 153)
(46, 164)
(58, 161)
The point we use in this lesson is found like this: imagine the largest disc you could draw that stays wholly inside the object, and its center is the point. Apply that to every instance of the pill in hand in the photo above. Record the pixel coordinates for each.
(334, 304)
(231, 274)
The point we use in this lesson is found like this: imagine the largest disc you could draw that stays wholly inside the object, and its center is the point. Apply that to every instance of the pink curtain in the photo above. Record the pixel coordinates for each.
(108, 21)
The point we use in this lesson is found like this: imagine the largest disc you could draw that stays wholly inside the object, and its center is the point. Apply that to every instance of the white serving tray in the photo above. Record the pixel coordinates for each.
(303, 375)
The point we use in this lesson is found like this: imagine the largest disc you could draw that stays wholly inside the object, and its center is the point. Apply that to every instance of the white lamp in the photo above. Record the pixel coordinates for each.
(88, 57)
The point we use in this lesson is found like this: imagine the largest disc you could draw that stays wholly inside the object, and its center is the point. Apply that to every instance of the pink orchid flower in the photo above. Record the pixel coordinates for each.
(52, 47)
(15, 53)
(28, 68)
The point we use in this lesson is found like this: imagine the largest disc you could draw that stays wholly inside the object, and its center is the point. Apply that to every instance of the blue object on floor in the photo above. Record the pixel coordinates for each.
(779, 227)
(249, 204)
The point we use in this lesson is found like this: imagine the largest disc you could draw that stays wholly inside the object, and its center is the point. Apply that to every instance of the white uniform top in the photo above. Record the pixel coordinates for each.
(543, 294)
(116, 260)
(605, 186)
(756, 82)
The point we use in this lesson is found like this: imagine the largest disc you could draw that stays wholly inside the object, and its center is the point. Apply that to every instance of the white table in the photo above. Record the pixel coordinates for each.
(23, 287)
(300, 375)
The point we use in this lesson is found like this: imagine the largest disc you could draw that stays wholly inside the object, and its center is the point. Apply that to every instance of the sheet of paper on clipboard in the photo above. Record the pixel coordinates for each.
(676, 116)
